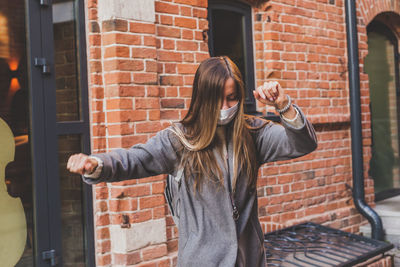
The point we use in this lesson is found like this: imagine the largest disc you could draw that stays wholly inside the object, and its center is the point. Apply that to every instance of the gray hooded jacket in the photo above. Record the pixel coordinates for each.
(208, 234)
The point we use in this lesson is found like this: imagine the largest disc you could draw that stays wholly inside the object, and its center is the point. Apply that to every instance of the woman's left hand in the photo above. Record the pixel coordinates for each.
(271, 93)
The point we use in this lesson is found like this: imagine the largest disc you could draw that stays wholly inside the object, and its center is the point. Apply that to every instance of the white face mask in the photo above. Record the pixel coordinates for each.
(226, 115)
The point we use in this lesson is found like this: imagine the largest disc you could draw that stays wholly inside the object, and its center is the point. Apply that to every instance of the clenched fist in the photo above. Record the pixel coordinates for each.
(81, 164)
(271, 93)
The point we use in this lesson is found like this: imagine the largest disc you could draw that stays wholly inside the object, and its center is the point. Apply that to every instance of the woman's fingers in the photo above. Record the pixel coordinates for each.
(270, 93)
(261, 92)
(275, 89)
(279, 90)
(73, 163)
(256, 95)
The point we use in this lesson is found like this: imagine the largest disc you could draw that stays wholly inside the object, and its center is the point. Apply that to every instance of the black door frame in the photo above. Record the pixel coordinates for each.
(37, 134)
(45, 131)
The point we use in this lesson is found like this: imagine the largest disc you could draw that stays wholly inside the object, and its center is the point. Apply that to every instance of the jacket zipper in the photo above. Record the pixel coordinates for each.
(235, 211)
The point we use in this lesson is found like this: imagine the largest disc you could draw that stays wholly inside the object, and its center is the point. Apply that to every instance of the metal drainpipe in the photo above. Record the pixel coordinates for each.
(355, 117)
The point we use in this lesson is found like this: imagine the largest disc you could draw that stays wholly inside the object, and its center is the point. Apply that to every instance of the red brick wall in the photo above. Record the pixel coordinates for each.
(140, 79)
(304, 47)
(141, 76)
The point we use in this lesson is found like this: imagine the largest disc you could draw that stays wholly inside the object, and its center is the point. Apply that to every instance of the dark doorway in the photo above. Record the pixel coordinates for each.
(231, 35)
(382, 67)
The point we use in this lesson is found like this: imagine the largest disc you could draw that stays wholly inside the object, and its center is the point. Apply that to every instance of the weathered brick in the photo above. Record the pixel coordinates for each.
(115, 25)
(143, 52)
(145, 78)
(151, 66)
(127, 259)
(185, 11)
(172, 103)
(151, 201)
(170, 115)
(117, 78)
(119, 104)
(199, 3)
(125, 141)
(116, 51)
(94, 40)
(102, 220)
(126, 116)
(121, 38)
(120, 129)
(147, 103)
(187, 46)
(166, 19)
(154, 252)
(163, 7)
(168, 31)
(103, 260)
(187, 68)
(149, 41)
(200, 12)
(148, 127)
(185, 22)
(142, 27)
(171, 80)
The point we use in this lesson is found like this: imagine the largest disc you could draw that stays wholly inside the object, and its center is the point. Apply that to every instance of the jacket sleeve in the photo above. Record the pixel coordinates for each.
(283, 141)
(157, 156)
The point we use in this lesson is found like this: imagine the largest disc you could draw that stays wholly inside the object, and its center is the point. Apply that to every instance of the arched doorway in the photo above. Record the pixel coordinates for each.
(382, 67)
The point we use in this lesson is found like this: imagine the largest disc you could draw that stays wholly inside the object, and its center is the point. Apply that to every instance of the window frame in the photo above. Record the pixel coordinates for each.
(246, 10)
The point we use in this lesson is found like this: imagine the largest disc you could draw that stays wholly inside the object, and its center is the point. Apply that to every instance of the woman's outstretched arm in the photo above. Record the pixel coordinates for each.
(157, 156)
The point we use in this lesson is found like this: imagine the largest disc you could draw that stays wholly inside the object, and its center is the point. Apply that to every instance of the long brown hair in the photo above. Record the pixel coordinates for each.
(200, 125)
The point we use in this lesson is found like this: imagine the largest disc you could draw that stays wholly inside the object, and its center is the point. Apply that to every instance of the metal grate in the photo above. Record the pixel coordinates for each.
(310, 244)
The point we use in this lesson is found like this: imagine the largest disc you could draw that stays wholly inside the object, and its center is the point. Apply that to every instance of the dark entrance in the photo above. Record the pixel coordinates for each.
(45, 213)
(382, 67)
(230, 35)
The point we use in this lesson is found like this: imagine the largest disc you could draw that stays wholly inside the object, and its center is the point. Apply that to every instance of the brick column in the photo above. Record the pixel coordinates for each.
(142, 67)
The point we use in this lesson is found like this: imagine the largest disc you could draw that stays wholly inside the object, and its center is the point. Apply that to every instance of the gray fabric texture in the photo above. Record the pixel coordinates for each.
(208, 234)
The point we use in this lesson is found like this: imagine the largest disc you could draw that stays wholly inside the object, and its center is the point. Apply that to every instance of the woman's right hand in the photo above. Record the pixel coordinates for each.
(81, 164)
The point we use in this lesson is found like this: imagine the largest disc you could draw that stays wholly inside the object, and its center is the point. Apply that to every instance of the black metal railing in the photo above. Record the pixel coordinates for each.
(310, 244)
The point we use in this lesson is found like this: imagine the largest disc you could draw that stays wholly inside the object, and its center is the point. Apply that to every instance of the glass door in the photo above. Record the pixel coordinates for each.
(382, 67)
(71, 116)
(45, 212)
(16, 201)
(66, 122)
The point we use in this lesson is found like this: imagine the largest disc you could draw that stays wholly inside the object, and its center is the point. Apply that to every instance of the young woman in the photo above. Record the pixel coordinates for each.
(214, 153)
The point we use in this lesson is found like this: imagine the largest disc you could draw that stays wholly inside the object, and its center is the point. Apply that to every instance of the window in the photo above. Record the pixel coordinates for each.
(230, 35)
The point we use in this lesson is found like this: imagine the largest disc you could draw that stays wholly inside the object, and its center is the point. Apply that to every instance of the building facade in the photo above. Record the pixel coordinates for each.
(91, 76)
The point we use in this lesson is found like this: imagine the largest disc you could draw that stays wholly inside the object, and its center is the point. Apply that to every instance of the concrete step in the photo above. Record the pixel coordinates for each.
(389, 211)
